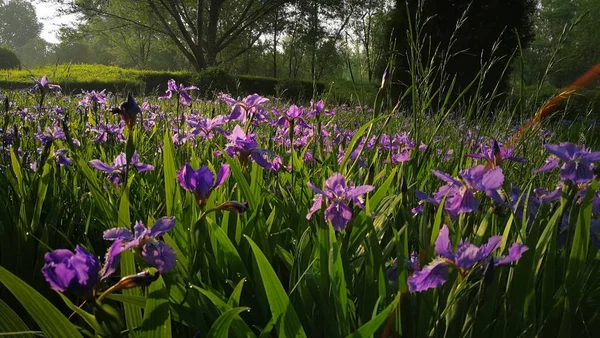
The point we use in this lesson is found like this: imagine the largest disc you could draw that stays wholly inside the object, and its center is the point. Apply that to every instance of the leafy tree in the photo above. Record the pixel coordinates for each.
(566, 39)
(199, 29)
(8, 59)
(457, 38)
(18, 23)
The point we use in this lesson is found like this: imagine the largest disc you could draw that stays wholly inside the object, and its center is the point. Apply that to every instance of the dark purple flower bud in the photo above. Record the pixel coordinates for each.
(202, 181)
(73, 272)
(233, 206)
(128, 111)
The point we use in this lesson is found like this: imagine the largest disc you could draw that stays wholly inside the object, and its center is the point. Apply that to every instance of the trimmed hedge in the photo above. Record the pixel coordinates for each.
(76, 77)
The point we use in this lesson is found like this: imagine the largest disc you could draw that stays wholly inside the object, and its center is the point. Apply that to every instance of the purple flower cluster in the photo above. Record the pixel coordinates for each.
(119, 165)
(460, 193)
(144, 241)
(339, 195)
(578, 162)
(466, 258)
(180, 92)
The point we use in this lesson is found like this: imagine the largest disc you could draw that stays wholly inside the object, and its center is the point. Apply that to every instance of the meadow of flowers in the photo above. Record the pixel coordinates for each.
(169, 216)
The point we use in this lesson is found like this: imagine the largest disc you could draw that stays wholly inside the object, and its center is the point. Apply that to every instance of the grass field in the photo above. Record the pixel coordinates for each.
(258, 218)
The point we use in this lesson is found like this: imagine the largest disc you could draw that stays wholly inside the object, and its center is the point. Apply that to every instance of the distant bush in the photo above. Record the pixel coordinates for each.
(214, 80)
(257, 84)
(291, 89)
(76, 77)
(8, 59)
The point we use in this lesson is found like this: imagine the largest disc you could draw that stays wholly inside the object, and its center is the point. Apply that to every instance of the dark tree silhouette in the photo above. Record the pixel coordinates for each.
(489, 29)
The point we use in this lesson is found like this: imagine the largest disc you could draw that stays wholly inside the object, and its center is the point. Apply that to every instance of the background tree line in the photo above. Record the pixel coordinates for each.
(318, 39)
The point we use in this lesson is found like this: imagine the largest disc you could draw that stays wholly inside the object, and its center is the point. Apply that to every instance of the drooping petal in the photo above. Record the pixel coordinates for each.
(495, 196)
(467, 255)
(564, 151)
(143, 167)
(112, 259)
(493, 179)
(317, 204)
(492, 244)
(118, 233)
(434, 275)
(318, 191)
(550, 164)
(339, 214)
(258, 157)
(355, 192)
(514, 253)
(162, 226)
(445, 177)
(101, 166)
(443, 246)
(159, 255)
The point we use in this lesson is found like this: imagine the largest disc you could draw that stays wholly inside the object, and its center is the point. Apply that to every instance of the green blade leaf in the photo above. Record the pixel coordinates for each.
(220, 329)
(51, 321)
(157, 314)
(287, 322)
(371, 327)
(10, 322)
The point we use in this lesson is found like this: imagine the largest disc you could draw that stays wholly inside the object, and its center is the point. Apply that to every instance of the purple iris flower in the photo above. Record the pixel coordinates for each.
(103, 132)
(202, 181)
(289, 116)
(93, 97)
(315, 108)
(74, 272)
(180, 91)
(60, 156)
(466, 257)
(204, 126)
(243, 109)
(578, 162)
(339, 194)
(244, 145)
(461, 191)
(43, 85)
(496, 154)
(50, 135)
(115, 170)
(144, 241)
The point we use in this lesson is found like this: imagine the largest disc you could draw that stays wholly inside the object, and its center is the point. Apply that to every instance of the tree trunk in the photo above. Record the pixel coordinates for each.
(275, 45)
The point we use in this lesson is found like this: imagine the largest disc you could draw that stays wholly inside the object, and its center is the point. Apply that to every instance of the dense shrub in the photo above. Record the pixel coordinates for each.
(258, 84)
(214, 80)
(76, 77)
(8, 59)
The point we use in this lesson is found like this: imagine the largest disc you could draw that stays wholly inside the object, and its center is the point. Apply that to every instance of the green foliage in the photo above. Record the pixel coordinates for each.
(18, 23)
(214, 80)
(8, 59)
